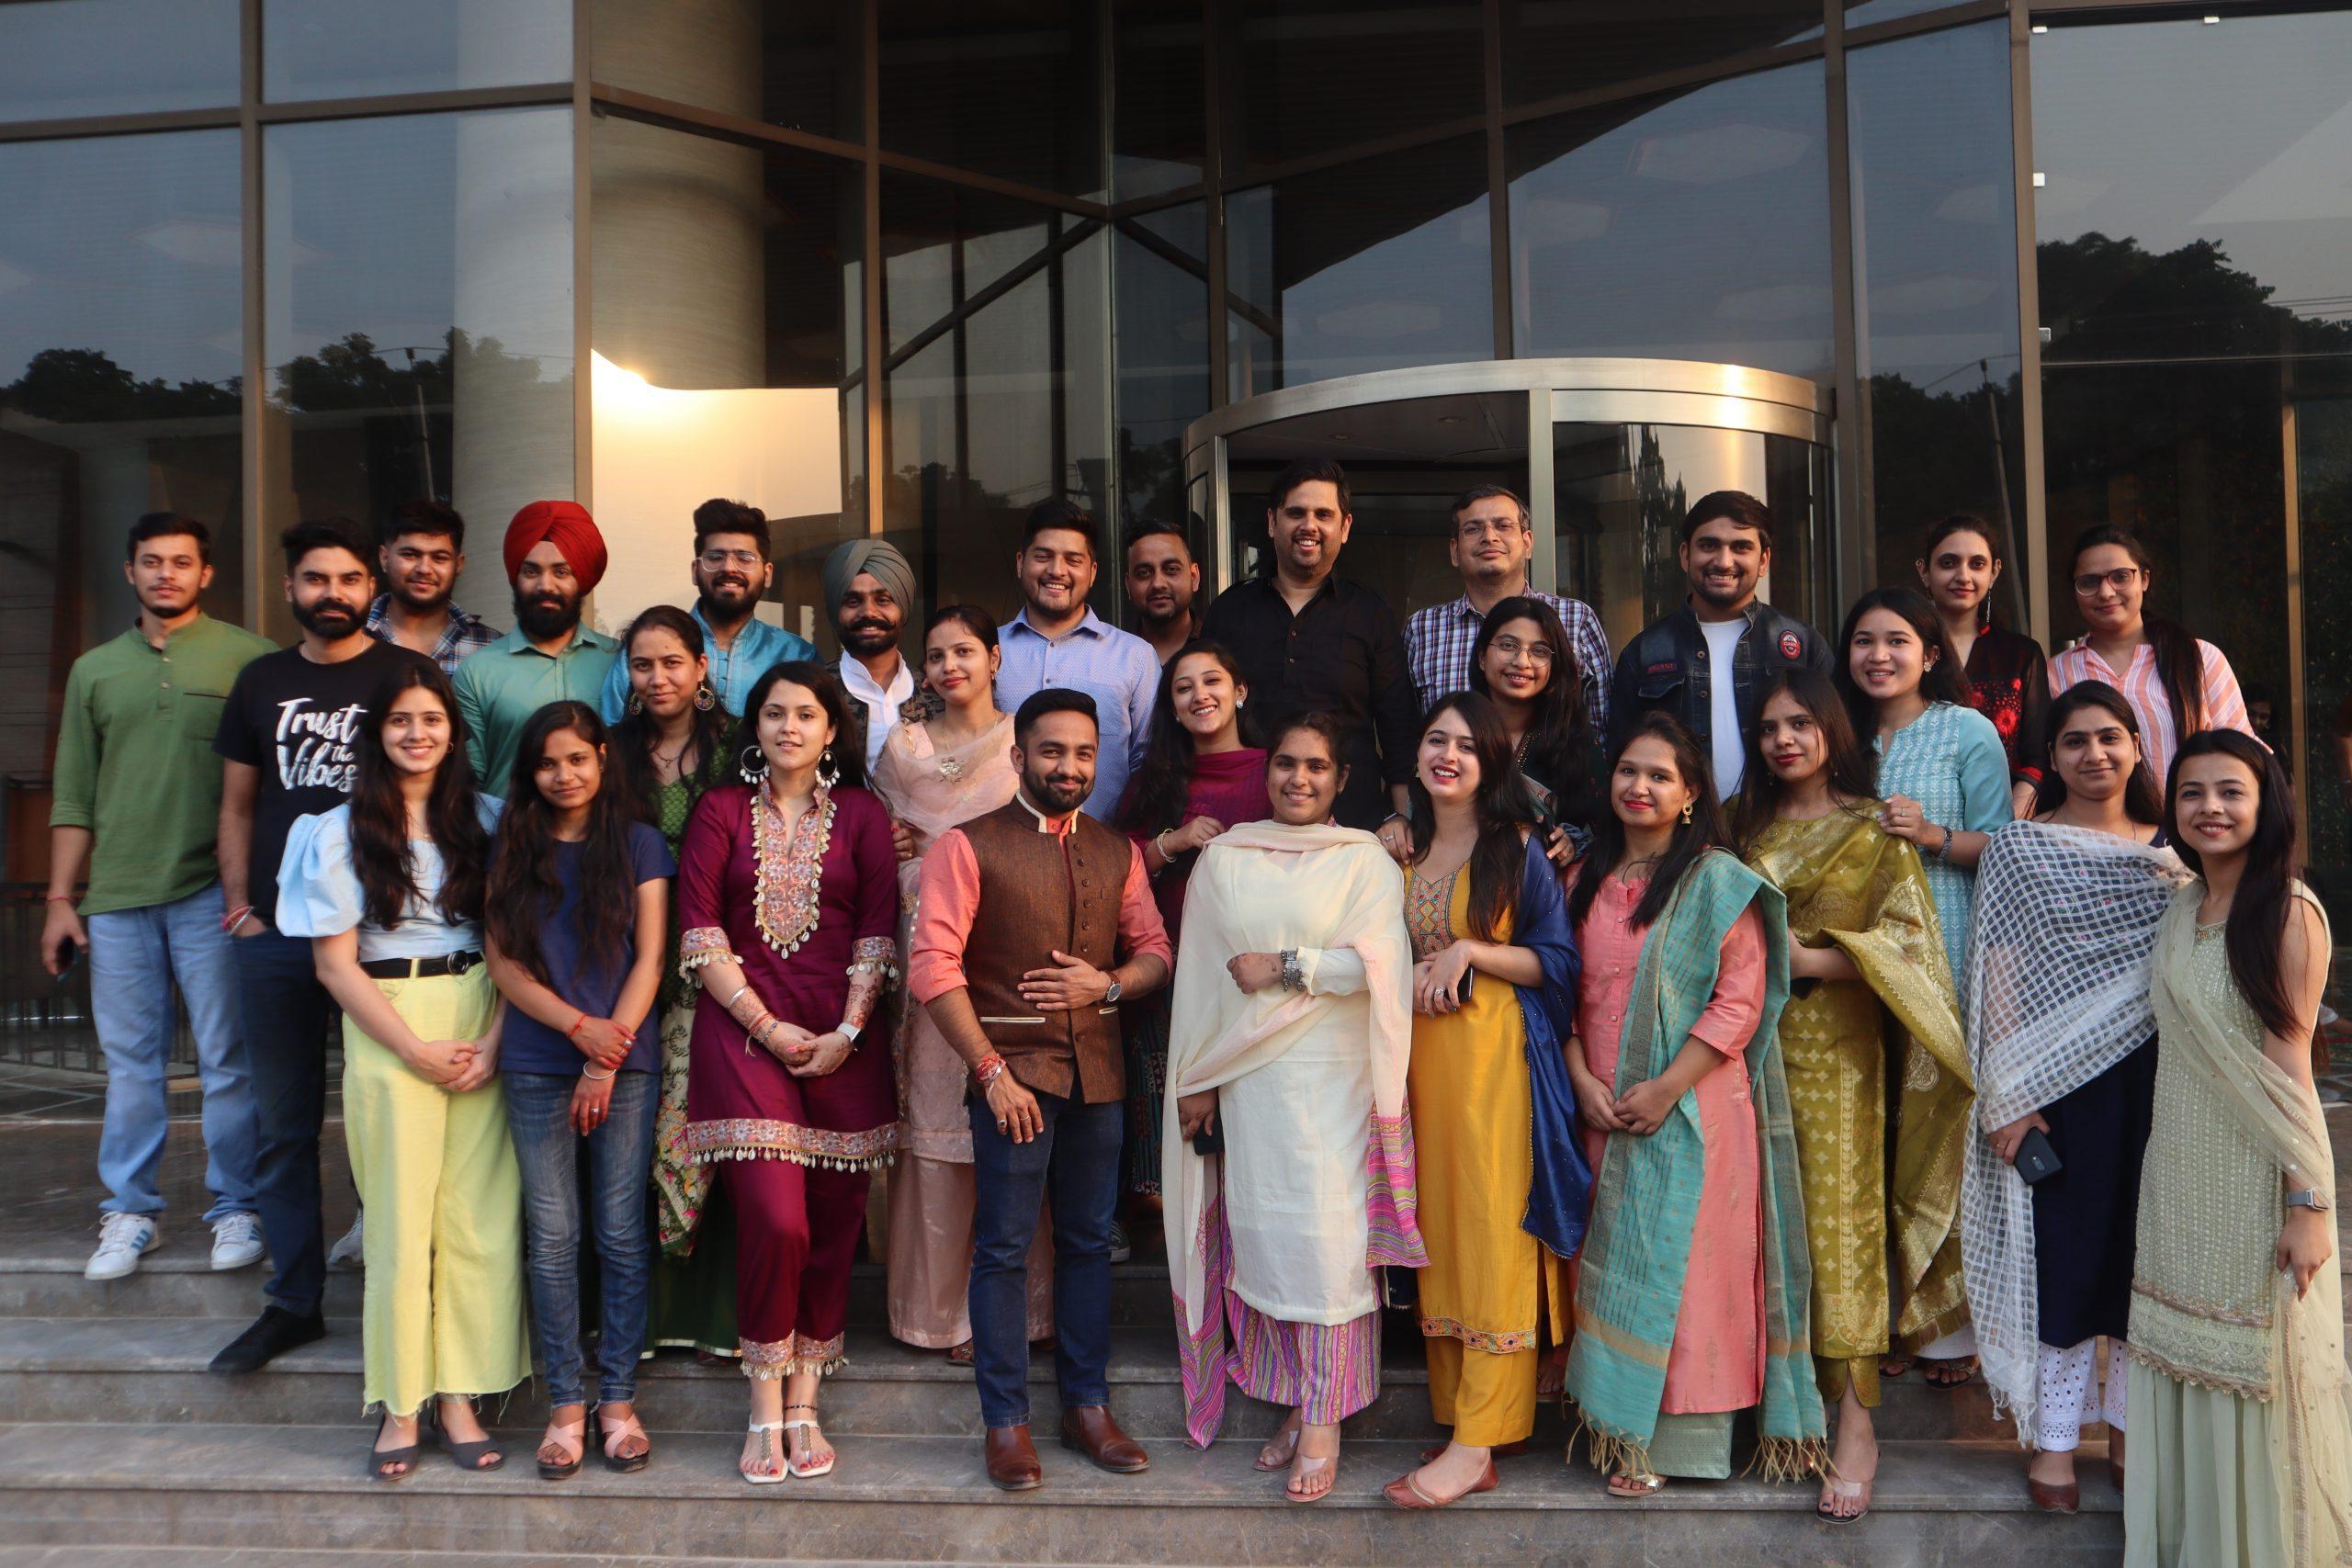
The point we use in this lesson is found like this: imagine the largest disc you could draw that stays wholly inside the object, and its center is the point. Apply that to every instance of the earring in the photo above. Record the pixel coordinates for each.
(743, 765)
(828, 772)
(705, 698)
(1686, 813)
(635, 705)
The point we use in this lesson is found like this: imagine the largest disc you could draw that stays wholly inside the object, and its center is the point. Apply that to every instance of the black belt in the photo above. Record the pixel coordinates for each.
(419, 968)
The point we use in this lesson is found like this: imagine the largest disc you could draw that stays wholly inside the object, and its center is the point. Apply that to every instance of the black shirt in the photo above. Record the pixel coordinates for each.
(1342, 654)
(298, 724)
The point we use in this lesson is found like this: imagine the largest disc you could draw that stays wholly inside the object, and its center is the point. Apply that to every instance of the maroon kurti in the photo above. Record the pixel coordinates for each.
(1228, 785)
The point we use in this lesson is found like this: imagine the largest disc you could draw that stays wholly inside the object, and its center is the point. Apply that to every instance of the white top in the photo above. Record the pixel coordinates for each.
(319, 895)
(1722, 702)
(881, 707)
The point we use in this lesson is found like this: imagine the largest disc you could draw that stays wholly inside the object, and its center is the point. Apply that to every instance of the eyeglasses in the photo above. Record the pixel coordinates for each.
(747, 560)
(2122, 578)
(1512, 647)
(1479, 527)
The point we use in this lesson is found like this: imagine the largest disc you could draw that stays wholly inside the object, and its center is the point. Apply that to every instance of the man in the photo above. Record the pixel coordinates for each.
(731, 573)
(419, 557)
(555, 558)
(1057, 642)
(1709, 663)
(137, 796)
(1024, 914)
(1308, 638)
(870, 587)
(290, 734)
(1491, 544)
(1162, 580)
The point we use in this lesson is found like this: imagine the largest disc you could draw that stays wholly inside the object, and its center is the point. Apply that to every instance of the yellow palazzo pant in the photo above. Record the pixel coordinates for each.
(443, 1309)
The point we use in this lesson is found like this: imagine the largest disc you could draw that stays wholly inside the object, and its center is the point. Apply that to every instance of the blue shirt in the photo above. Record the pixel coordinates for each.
(530, 1047)
(758, 645)
(319, 892)
(1117, 668)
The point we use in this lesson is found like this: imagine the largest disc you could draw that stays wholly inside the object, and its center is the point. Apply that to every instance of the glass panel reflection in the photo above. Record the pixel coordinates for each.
(1160, 138)
(1012, 88)
(1306, 76)
(1161, 348)
(794, 65)
(88, 57)
(1555, 47)
(1693, 225)
(326, 49)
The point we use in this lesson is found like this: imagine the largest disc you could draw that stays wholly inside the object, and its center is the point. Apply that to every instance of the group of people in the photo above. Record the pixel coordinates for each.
(1725, 1030)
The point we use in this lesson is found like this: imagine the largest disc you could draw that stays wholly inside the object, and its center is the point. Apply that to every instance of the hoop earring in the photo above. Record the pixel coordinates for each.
(829, 770)
(635, 705)
(1686, 813)
(705, 698)
(743, 765)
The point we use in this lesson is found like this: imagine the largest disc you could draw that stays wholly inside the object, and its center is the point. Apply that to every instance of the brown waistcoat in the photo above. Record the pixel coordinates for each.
(1040, 892)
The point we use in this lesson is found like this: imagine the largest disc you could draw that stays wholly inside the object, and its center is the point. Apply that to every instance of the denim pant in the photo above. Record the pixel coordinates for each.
(1075, 1161)
(135, 956)
(286, 1013)
(620, 1170)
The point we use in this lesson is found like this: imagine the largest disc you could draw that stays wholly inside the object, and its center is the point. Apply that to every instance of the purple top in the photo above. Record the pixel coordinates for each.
(1228, 785)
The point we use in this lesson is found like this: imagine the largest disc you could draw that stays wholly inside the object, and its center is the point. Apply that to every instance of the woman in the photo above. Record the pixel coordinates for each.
(389, 887)
(577, 918)
(2244, 1448)
(935, 771)
(1523, 663)
(1202, 773)
(2176, 684)
(1692, 1288)
(1292, 1027)
(1872, 997)
(1959, 562)
(788, 890)
(670, 746)
(2062, 1042)
(1494, 987)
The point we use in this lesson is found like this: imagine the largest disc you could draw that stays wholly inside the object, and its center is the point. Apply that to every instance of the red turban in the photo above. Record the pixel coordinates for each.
(566, 525)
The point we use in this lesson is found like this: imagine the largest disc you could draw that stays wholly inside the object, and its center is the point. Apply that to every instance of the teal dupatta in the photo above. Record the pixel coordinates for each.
(1646, 1196)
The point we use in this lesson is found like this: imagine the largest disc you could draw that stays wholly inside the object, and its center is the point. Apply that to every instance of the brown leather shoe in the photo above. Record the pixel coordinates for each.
(1090, 1429)
(1012, 1460)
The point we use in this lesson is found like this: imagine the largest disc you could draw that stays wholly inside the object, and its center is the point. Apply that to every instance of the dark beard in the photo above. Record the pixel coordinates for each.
(416, 606)
(543, 622)
(867, 637)
(329, 619)
(743, 603)
(1052, 799)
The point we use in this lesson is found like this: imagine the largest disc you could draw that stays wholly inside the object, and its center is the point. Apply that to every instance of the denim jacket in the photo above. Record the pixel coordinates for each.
(1666, 669)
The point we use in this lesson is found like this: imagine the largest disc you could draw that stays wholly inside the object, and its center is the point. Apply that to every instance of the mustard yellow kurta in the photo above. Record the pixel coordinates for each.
(1490, 1288)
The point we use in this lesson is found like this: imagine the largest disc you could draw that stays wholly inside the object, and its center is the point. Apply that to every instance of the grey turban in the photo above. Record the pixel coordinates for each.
(877, 559)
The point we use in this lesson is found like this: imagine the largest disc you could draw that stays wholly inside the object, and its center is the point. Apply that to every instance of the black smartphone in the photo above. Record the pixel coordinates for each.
(2036, 1159)
(1209, 1140)
(71, 953)
(1462, 991)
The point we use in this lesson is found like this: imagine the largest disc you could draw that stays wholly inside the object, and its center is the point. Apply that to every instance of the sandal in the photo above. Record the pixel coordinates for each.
(1311, 1470)
(1551, 1373)
(617, 1432)
(568, 1438)
(960, 1355)
(1895, 1365)
(1500, 1450)
(763, 1476)
(469, 1456)
(379, 1460)
(1635, 1488)
(1837, 1490)
(1405, 1492)
(1271, 1458)
(815, 1467)
(1953, 1373)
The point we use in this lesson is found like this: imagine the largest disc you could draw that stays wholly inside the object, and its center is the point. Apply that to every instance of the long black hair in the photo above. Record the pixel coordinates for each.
(2179, 660)
(2258, 911)
(1163, 783)
(379, 847)
(1703, 832)
(2142, 799)
(1502, 806)
(1939, 681)
(525, 886)
(1559, 729)
(1852, 767)
(849, 757)
(633, 739)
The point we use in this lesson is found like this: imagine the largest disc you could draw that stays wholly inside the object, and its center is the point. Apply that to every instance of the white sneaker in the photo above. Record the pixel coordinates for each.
(349, 1252)
(121, 1239)
(236, 1241)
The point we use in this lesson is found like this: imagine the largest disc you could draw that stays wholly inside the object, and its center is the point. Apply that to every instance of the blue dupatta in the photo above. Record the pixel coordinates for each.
(1559, 1193)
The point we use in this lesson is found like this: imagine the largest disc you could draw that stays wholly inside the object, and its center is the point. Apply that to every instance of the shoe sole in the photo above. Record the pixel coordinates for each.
(220, 1268)
(1074, 1446)
(154, 1240)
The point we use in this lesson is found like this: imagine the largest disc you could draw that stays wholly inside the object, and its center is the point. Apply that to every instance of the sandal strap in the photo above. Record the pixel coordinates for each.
(765, 1427)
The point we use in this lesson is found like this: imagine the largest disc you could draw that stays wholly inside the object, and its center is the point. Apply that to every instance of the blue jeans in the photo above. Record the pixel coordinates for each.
(286, 1013)
(1075, 1161)
(135, 956)
(619, 1173)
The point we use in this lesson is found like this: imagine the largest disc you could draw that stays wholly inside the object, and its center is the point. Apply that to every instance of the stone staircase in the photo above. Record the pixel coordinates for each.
(114, 1442)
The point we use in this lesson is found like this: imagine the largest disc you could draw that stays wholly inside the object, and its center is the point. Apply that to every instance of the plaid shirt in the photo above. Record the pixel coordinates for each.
(1438, 642)
(464, 635)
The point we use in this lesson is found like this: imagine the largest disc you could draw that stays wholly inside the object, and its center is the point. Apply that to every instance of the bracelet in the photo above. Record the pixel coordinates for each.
(598, 1077)
(760, 1030)
(1162, 848)
(1293, 973)
(228, 922)
(68, 898)
(1943, 843)
(987, 1070)
(573, 1032)
(849, 1032)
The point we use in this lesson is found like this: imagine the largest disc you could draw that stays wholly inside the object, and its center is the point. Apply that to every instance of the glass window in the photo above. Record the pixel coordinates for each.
(1862, 13)
(121, 348)
(332, 49)
(1304, 76)
(1694, 225)
(794, 65)
(1159, 131)
(1367, 266)
(1935, 275)
(1161, 350)
(1556, 47)
(88, 57)
(417, 321)
(1012, 88)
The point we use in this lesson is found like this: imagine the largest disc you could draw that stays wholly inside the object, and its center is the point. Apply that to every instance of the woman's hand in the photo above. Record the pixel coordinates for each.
(903, 841)
(787, 1041)
(1014, 1107)
(2306, 1242)
(602, 1041)
(1596, 1107)
(824, 1053)
(1193, 835)
(1561, 850)
(1644, 1106)
(1253, 972)
(1437, 979)
(444, 1061)
(1196, 1113)
(1906, 818)
(592, 1103)
(1807, 962)
(2005, 1140)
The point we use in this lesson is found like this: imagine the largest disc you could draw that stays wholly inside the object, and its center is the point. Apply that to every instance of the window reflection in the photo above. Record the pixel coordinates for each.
(793, 65)
(1315, 75)
(322, 49)
(88, 56)
(1161, 348)
(1555, 47)
(1006, 88)
(1158, 89)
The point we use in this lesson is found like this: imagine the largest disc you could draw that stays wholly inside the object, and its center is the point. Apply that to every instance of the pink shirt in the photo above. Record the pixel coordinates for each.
(2143, 686)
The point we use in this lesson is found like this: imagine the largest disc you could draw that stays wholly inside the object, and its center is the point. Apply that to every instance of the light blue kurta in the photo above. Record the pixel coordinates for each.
(1949, 760)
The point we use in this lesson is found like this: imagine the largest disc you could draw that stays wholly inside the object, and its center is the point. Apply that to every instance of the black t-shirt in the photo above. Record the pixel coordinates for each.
(298, 724)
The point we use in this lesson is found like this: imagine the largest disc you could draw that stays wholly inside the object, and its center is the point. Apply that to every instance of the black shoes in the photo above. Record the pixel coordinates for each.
(274, 1333)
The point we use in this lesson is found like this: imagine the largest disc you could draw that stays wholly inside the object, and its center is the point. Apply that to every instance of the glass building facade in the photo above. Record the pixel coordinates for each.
(906, 268)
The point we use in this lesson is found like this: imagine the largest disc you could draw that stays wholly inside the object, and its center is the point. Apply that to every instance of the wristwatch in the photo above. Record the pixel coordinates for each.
(2309, 1198)
(1112, 992)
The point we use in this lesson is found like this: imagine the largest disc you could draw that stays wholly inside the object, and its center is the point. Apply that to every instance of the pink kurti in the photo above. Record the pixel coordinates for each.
(1718, 1362)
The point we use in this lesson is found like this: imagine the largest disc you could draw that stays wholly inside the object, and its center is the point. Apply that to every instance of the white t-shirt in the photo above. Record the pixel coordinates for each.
(1722, 702)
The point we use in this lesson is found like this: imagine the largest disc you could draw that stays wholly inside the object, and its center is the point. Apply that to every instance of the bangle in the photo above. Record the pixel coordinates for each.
(1943, 843)
(730, 1003)
(595, 1077)
(1294, 973)
(228, 922)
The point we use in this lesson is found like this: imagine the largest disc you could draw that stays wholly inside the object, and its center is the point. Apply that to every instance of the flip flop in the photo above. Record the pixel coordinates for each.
(1405, 1492)
(1959, 1372)
(1309, 1470)
(1838, 1486)
(1268, 1460)
(766, 1455)
(1635, 1488)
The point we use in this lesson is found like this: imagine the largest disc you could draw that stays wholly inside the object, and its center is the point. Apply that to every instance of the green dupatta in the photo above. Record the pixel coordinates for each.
(1645, 1197)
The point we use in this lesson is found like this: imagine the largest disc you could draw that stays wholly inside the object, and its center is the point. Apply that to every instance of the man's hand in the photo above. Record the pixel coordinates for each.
(1014, 1107)
(1071, 983)
(61, 925)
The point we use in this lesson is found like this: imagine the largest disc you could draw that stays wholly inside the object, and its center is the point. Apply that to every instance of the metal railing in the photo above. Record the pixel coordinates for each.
(46, 1022)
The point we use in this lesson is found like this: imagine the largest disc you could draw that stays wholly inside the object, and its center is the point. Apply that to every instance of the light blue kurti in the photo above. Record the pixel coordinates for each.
(1949, 760)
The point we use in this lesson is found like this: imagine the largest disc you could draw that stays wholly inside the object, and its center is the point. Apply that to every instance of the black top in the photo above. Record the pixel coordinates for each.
(2008, 683)
(1342, 653)
(298, 724)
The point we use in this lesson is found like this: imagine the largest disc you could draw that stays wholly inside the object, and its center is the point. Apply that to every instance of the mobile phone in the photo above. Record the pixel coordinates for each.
(1462, 991)
(1209, 1140)
(2036, 1159)
(72, 950)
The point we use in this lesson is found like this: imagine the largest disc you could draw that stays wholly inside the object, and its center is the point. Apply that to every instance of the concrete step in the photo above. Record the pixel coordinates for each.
(80, 1370)
(273, 1557)
(1937, 1506)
